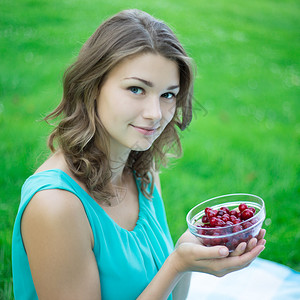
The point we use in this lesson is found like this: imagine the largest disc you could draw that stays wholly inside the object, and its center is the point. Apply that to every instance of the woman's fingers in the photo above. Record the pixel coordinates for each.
(246, 258)
(220, 267)
(251, 244)
(252, 254)
(261, 234)
(261, 242)
(243, 247)
(239, 250)
(200, 252)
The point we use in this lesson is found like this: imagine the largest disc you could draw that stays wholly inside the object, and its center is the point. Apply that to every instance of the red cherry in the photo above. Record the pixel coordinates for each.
(235, 242)
(233, 213)
(206, 241)
(246, 225)
(207, 209)
(246, 214)
(217, 232)
(203, 230)
(252, 209)
(225, 240)
(228, 229)
(237, 228)
(224, 208)
(200, 231)
(221, 213)
(226, 218)
(213, 221)
(220, 223)
(205, 220)
(215, 242)
(237, 221)
(233, 218)
(242, 207)
(206, 226)
(229, 223)
(211, 213)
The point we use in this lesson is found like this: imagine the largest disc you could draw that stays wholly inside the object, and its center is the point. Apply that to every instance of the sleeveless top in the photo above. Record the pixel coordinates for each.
(127, 260)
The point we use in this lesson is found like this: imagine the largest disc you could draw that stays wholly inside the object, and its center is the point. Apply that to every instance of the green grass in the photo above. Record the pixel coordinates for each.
(245, 134)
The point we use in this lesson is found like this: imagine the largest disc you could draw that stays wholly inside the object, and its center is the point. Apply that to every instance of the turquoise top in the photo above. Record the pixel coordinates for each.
(127, 260)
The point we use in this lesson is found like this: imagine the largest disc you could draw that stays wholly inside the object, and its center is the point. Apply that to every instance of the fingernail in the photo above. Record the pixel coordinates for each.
(223, 251)
(243, 247)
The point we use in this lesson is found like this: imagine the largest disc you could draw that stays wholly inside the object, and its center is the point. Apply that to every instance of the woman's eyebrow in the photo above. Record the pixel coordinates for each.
(150, 84)
(173, 87)
(146, 82)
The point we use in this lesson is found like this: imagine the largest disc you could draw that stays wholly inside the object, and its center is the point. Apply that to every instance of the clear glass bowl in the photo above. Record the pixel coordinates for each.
(229, 236)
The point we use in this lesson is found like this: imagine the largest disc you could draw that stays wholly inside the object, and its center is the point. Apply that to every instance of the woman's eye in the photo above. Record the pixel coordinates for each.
(136, 90)
(168, 95)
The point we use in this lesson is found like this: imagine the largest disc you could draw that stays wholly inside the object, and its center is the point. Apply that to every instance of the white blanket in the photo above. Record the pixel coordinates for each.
(262, 280)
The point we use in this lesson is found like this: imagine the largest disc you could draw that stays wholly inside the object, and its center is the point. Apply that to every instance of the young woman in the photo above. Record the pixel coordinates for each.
(91, 223)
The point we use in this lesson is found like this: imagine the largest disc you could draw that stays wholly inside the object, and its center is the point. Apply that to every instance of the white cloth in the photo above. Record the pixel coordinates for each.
(263, 279)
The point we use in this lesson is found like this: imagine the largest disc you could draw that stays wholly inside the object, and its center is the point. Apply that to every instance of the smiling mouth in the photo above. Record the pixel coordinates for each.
(146, 130)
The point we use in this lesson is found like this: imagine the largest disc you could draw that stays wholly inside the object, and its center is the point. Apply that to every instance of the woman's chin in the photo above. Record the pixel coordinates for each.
(142, 145)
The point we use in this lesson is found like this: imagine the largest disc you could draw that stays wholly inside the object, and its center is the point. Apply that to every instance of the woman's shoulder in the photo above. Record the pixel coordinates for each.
(56, 164)
(52, 203)
(55, 211)
(54, 161)
(56, 233)
(57, 201)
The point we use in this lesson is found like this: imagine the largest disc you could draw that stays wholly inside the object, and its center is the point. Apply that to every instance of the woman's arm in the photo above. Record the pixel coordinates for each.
(59, 242)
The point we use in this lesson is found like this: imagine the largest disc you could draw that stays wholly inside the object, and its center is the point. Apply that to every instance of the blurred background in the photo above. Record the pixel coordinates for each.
(245, 134)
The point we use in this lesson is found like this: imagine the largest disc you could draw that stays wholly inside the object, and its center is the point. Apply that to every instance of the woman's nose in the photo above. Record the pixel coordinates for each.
(152, 109)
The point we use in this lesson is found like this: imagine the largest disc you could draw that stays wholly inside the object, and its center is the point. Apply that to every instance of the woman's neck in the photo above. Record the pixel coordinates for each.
(118, 163)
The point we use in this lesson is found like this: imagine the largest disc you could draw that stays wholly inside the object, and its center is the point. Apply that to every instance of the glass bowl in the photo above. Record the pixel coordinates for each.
(229, 235)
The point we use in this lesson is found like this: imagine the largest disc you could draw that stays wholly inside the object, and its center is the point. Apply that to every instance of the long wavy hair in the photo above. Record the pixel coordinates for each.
(80, 134)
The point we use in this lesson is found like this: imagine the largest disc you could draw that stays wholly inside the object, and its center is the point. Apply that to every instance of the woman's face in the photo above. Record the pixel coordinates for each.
(137, 100)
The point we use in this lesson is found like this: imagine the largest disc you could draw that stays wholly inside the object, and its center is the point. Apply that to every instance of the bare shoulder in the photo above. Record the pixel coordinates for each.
(55, 161)
(55, 202)
(56, 209)
(58, 241)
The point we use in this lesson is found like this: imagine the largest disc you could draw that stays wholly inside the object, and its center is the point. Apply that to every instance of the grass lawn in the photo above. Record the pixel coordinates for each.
(245, 134)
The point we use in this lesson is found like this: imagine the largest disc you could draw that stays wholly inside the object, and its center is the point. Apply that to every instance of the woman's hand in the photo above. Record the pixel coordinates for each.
(191, 255)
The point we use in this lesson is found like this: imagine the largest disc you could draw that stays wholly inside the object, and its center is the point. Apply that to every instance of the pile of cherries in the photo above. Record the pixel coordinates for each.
(223, 224)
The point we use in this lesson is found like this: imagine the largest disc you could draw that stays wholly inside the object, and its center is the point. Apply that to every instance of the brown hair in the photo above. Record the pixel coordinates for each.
(80, 133)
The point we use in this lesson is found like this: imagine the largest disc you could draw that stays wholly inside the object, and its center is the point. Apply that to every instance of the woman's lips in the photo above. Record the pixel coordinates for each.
(146, 130)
